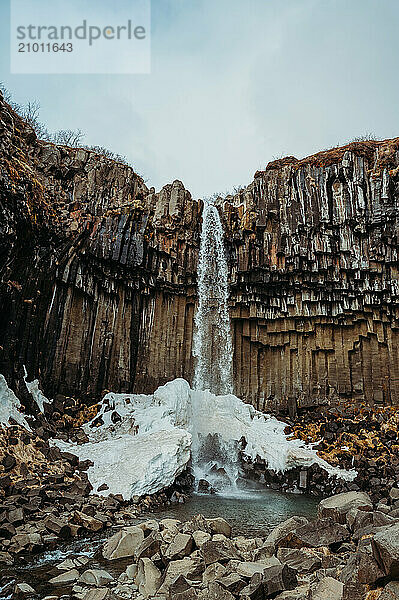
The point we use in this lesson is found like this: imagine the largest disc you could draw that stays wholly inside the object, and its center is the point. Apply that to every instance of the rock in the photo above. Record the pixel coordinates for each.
(385, 546)
(299, 593)
(265, 551)
(390, 591)
(337, 507)
(327, 589)
(232, 582)
(248, 569)
(271, 581)
(16, 516)
(8, 462)
(66, 578)
(72, 563)
(180, 547)
(6, 558)
(23, 590)
(189, 567)
(284, 529)
(149, 546)
(394, 494)
(124, 543)
(200, 537)
(148, 577)
(323, 532)
(362, 566)
(213, 571)
(98, 594)
(87, 521)
(219, 525)
(58, 526)
(217, 592)
(218, 551)
(95, 577)
(302, 561)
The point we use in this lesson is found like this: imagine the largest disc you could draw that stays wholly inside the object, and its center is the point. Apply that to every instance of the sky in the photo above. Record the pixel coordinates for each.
(233, 85)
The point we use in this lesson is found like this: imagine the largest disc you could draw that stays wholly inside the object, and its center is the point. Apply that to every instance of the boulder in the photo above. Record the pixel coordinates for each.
(301, 560)
(22, 590)
(248, 569)
(232, 582)
(385, 546)
(213, 572)
(284, 529)
(390, 591)
(219, 525)
(327, 589)
(217, 592)
(180, 547)
(189, 567)
(322, 532)
(149, 546)
(98, 594)
(66, 578)
(148, 577)
(124, 543)
(200, 537)
(87, 521)
(337, 507)
(95, 577)
(271, 581)
(218, 551)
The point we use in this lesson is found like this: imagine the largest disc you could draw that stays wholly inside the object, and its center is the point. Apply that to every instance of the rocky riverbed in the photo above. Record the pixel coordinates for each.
(350, 551)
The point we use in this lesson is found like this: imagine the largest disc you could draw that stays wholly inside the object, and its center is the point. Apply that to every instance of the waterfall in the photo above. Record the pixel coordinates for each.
(212, 344)
(215, 460)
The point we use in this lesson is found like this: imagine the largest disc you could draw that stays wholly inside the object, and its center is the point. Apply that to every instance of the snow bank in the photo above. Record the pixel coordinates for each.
(10, 406)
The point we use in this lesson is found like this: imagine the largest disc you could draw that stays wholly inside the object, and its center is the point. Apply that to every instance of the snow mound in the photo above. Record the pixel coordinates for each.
(37, 394)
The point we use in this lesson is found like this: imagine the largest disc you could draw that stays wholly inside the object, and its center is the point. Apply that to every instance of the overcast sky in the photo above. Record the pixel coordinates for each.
(233, 84)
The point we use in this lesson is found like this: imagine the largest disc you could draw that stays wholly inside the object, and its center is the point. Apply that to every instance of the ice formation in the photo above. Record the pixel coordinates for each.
(10, 406)
(144, 442)
(37, 394)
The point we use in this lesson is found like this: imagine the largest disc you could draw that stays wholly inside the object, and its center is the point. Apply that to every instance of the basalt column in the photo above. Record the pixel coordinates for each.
(314, 278)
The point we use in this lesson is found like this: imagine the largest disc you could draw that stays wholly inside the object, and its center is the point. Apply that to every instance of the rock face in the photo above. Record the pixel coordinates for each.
(98, 273)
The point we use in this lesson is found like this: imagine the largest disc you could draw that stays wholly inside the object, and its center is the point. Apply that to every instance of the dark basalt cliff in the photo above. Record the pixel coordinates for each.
(98, 273)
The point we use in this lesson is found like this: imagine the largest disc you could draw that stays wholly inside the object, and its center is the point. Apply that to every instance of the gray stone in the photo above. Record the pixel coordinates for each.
(213, 571)
(232, 582)
(385, 546)
(336, 507)
(66, 578)
(95, 577)
(283, 529)
(327, 589)
(322, 532)
(200, 537)
(23, 590)
(394, 494)
(124, 543)
(218, 551)
(219, 525)
(98, 594)
(248, 569)
(390, 591)
(148, 577)
(302, 561)
(180, 547)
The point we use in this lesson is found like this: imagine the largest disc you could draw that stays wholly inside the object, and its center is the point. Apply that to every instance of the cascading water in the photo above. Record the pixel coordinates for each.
(215, 460)
(212, 345)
